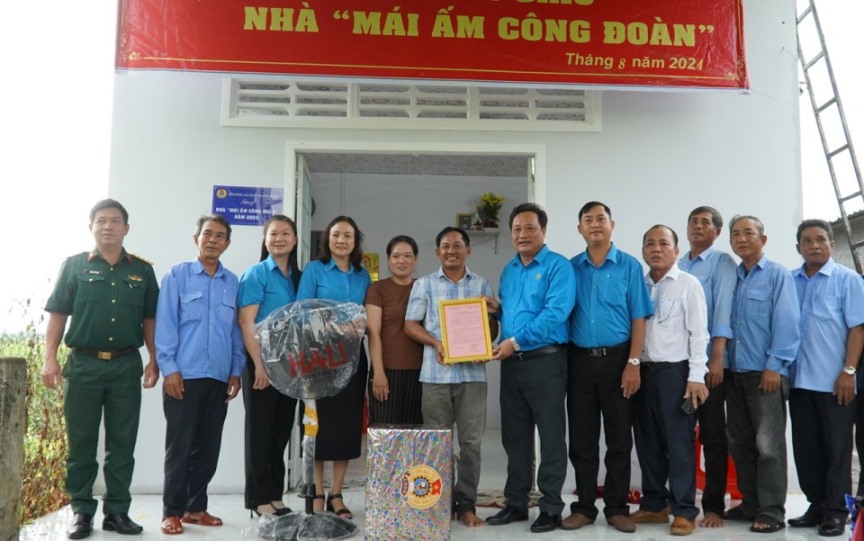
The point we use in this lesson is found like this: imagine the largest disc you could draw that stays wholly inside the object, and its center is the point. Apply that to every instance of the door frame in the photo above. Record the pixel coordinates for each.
(293, 147)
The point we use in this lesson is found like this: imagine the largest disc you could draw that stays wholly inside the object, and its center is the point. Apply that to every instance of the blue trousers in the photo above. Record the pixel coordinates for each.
(193, 438)
(665, 440)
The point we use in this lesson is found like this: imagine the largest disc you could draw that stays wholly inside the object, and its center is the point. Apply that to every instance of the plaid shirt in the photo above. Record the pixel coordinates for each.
(423, 307)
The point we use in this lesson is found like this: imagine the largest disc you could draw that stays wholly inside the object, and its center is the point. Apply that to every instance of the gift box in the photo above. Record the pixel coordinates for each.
(409, 483)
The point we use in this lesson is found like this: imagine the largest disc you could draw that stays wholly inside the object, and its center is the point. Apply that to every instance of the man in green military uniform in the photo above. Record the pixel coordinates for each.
(111, 296)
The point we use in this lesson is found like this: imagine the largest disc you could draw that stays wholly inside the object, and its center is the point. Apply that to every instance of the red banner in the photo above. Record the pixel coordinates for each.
(665, 43)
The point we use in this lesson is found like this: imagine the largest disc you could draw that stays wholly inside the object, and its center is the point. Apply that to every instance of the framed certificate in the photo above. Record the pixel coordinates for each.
(465, 330)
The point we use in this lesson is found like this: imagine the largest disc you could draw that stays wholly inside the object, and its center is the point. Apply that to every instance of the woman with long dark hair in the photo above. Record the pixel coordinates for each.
(338, 275)
(265, 287)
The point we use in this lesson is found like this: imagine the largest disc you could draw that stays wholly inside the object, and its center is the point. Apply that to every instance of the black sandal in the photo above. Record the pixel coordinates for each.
(341, 512)
(774, 525)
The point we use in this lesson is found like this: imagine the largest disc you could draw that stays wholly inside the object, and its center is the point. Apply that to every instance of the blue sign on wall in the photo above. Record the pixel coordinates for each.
(244, 205)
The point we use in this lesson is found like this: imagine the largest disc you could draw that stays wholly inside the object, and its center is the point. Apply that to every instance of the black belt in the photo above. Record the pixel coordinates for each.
(603, 352)
(106, 355)
(534, 353)
(653, 366)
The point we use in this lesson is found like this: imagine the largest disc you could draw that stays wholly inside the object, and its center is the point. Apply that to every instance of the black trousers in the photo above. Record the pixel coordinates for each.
(193, 438)
(859, 440)
(822, 446)
(594, 391)
(665, 440)
(712, 435)
(532, 395)
(269, 421)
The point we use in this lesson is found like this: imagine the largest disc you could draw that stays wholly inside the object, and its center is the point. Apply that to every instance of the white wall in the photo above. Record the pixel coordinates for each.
(658, 156)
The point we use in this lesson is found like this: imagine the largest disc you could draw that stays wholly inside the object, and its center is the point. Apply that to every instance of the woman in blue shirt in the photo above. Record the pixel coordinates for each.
(265, 287)
(338, 275)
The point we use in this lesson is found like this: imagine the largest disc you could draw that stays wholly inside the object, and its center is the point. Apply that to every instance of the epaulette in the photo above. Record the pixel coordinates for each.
(136, 256)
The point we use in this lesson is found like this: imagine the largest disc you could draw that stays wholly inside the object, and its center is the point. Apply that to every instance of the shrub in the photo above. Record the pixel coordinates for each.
(44, 470)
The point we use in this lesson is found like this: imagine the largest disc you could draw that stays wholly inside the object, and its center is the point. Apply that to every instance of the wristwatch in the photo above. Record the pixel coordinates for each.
(634, 361)
(516, 346)
(850, 370)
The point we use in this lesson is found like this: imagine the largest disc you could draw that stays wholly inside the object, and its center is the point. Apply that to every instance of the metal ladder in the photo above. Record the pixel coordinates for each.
(844, 151)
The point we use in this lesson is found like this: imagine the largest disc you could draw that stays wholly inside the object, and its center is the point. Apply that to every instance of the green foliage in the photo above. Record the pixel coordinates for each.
(489, 207)
(43, 488)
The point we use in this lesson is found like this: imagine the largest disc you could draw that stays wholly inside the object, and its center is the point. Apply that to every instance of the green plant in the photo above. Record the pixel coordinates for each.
(44, 469)
(489, 207)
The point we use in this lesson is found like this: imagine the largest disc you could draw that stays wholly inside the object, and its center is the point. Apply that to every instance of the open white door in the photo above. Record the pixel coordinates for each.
(303, 220)
(303, 212)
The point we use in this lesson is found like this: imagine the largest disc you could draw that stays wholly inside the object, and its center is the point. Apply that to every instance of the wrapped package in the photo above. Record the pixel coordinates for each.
(409, 483)
(310, 348)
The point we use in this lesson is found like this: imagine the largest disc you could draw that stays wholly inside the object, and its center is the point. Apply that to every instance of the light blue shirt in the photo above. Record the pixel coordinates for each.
(765, 319)
(327, 281)
(716, 272)
(537, 299)
(197, 332)
(608, 299)
(265, 285)
(427, 292)
(832, 302)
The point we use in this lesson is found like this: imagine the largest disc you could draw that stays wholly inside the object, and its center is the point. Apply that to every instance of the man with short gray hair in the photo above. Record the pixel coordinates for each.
(765, 326)
(199, 349)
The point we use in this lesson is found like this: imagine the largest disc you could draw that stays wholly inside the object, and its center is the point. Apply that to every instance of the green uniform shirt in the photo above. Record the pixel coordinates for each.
(107, 303)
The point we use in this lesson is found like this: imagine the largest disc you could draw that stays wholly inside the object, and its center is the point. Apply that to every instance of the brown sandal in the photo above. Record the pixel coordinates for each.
(171, 526)
(204, 519)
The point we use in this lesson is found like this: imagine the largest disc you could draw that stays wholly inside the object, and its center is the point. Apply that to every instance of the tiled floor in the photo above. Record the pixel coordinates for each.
(147, 510)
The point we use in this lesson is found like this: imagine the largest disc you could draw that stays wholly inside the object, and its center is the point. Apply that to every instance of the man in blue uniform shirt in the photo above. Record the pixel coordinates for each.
(765, 326)
(199, 349)
(821, 404)
(607, 331)
(716, 272)
(537, 293)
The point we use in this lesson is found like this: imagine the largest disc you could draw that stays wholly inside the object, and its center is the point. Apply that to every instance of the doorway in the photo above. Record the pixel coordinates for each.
(415, 193)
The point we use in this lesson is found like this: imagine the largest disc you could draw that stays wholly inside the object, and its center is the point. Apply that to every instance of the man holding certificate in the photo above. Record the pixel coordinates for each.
(454, 392)
(537, 295)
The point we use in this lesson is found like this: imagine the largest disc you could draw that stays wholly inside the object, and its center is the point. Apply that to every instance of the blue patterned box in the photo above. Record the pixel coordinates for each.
(409, 478)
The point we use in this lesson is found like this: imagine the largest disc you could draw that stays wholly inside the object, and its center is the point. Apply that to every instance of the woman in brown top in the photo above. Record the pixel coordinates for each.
(394, 383)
